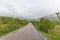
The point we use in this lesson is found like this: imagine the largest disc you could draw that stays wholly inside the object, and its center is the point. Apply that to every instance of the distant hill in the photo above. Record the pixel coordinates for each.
(51, 17)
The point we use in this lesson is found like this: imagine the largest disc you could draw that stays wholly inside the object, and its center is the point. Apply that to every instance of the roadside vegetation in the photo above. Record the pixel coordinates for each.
(9, 24)
(49, 28)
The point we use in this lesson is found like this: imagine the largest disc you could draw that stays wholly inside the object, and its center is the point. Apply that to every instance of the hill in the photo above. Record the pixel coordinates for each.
(9, 24)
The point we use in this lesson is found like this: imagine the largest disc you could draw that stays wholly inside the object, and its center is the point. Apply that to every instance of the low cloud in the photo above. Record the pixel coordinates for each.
(28, 8)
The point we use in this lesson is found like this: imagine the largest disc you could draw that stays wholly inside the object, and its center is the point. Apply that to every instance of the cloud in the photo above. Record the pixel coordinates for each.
(29, 8)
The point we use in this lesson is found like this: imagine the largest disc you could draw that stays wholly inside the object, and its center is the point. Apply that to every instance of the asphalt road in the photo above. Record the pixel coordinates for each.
(26, 33)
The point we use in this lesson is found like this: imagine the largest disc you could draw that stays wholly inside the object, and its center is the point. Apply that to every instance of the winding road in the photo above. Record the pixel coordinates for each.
(26, 33)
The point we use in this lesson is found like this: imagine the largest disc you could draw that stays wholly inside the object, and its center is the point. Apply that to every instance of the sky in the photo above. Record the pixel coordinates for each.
(29, 8)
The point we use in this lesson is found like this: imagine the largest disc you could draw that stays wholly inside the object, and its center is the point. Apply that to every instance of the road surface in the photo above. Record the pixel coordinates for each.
(26, 33)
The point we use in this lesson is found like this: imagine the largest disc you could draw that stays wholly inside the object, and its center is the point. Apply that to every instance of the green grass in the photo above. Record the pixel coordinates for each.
(3, 35)
(54, 35)
(4, 26)
(10, 24)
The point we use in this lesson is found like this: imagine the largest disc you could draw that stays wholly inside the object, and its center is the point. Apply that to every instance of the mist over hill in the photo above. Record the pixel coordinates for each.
(51, 17)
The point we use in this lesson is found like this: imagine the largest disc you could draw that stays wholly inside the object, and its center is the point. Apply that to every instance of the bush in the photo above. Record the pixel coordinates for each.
(44, 25)
(9, 24)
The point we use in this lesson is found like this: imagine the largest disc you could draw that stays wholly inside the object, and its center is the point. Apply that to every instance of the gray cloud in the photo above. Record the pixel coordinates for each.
(29, 8)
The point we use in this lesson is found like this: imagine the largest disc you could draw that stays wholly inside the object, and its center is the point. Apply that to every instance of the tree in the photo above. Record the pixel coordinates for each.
(46, 25)
(58, 15)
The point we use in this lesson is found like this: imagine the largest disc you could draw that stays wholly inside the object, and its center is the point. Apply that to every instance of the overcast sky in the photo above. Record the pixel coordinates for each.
(29, 8)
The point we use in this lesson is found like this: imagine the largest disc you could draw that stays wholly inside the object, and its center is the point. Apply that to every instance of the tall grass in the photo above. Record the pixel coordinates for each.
(9, 24)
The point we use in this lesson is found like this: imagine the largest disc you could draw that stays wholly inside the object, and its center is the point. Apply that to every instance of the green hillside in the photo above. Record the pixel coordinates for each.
(9, 24)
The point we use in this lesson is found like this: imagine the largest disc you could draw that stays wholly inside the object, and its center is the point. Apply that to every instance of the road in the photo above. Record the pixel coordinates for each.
(26, 33)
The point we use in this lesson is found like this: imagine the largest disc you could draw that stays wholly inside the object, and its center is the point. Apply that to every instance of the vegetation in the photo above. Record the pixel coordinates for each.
(49, 27)
(58, 15)
(44, 25)
(9, 24)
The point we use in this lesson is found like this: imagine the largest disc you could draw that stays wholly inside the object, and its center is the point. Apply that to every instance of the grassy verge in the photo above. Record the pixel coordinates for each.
(3, 35)
(52, 35)
(10, 24)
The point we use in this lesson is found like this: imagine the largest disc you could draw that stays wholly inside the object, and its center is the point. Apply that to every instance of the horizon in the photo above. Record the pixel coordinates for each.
(31, 9)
